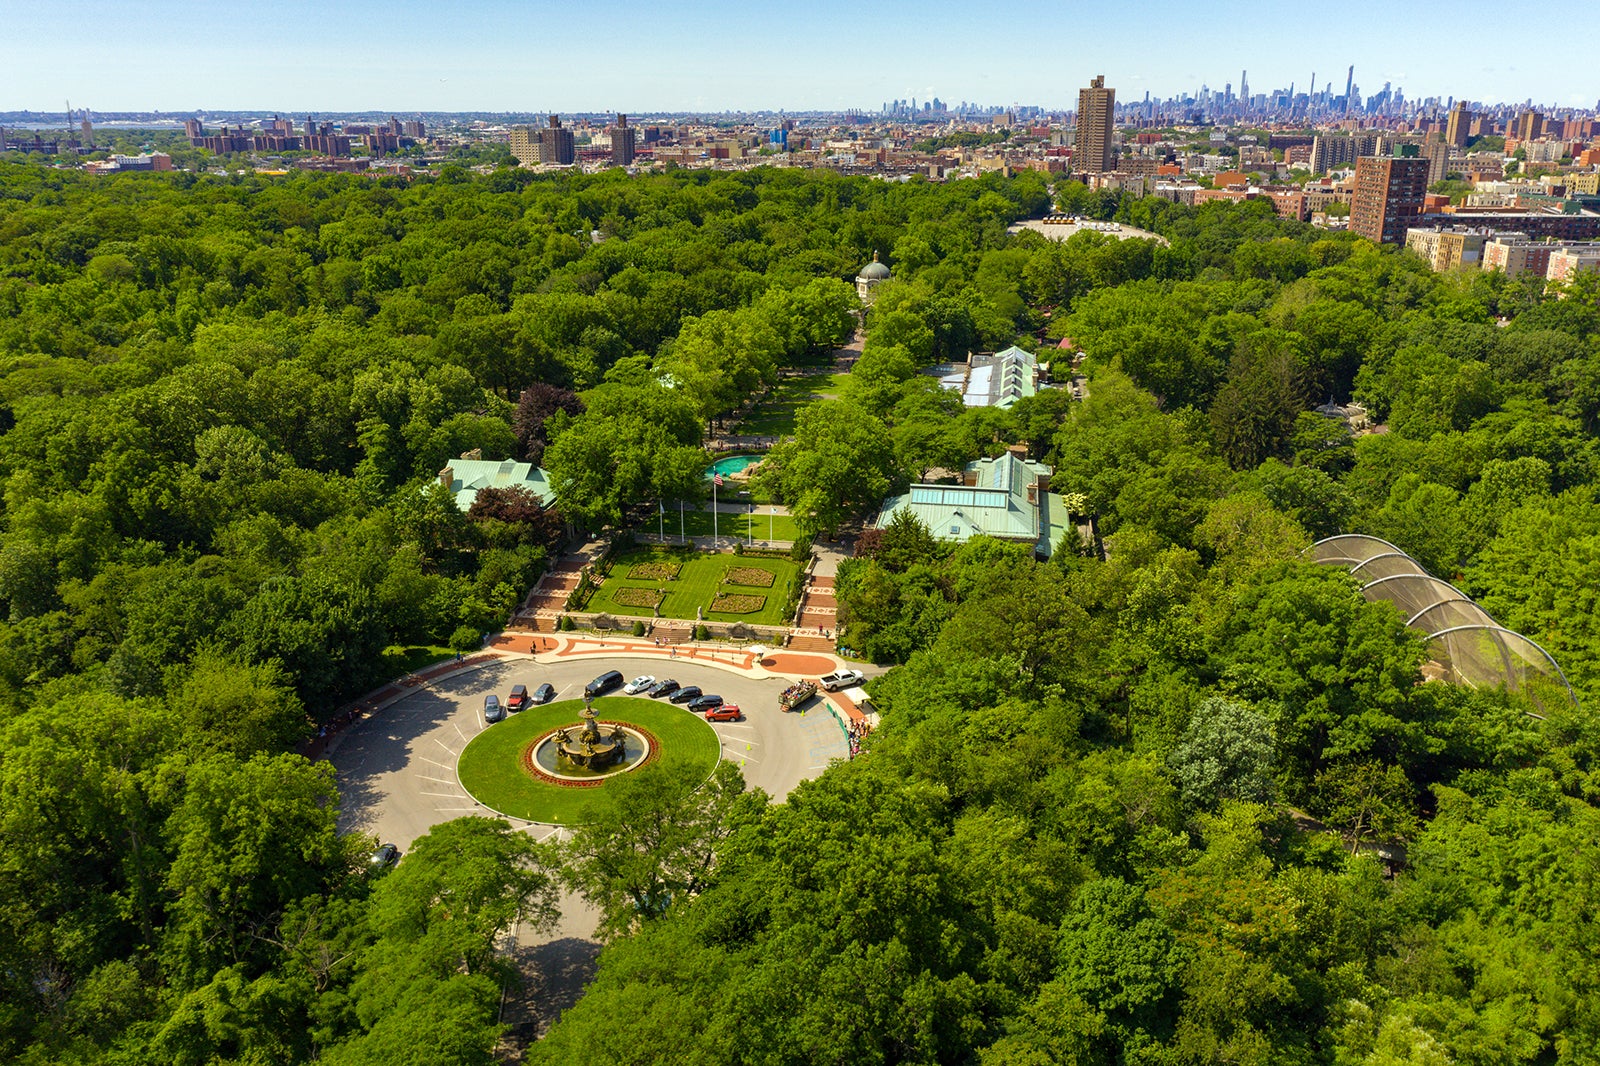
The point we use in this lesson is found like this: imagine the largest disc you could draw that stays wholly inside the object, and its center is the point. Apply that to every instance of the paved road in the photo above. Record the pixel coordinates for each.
(397, 779)
(397, 769)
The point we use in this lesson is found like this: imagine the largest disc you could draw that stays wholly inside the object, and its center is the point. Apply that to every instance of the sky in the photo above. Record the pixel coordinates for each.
(627, 55)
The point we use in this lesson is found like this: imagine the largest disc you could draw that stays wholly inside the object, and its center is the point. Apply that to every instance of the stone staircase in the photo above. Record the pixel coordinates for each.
(810, 642)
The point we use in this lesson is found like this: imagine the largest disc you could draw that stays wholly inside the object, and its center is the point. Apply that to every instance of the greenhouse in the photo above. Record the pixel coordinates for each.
(1465, 644)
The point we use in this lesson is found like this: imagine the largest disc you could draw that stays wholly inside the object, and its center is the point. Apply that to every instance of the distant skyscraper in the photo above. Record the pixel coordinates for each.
(1388, 197)
(1350, 87)
(622, 142)
(1458, 126)
(1096, 108)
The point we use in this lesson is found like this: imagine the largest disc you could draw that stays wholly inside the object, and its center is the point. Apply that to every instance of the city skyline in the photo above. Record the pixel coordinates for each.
(614, 54)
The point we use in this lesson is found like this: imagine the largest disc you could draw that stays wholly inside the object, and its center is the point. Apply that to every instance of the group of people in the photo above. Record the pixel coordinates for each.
(340, 720)
(857, 731)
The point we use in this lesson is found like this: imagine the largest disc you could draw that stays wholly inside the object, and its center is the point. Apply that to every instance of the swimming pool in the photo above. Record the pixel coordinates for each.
(730, 465)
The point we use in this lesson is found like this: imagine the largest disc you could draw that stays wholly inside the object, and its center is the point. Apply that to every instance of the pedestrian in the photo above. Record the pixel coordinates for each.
(674, 652)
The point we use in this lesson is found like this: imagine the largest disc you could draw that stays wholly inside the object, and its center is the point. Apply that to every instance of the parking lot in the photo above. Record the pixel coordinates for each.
(397, 774)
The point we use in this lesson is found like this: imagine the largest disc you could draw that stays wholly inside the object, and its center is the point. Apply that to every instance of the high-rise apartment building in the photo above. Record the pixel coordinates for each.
(622, 142)
(525, 145)
(1096, 107)
(1388, 197)
(555, 144)
(1529, 126)
(1458, 128)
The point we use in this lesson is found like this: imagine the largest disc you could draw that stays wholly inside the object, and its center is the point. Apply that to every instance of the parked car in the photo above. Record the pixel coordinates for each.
(728, 712)
(663, 688)
(544, 693)
(603, 684)
(841, 679)
(518, 698)
(638, 684)
(492, 709)
(685, 694)
(701, 704)
(386, 856)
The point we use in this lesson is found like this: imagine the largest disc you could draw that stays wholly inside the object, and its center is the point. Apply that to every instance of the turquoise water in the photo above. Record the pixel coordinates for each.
(729, 465)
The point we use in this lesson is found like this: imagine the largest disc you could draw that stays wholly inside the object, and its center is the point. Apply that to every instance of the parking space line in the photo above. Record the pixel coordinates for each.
(446, 795)
(436, 762)
(441, 780)
(445, 746)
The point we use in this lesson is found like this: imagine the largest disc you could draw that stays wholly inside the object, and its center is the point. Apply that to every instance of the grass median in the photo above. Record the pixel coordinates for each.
(490, 767)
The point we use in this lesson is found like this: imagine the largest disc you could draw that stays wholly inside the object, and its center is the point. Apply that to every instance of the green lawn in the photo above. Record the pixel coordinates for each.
(698, 524)
(829, 385)
(774, 416)
(400, 660)
(699, 580)
(490, 767)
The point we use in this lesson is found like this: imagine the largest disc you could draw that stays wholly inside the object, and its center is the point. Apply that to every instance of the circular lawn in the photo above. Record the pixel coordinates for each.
(491, 766)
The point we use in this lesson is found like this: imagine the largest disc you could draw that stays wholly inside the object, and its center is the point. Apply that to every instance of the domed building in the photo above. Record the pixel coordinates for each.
(872, 275)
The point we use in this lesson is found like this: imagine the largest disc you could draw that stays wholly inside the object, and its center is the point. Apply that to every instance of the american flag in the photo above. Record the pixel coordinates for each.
(716, 479)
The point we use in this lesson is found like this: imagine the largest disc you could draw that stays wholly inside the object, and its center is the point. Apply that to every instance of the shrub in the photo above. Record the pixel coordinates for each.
(701, 632)
(638, 629)
(564, 623)
(465, 638)
(800, 551)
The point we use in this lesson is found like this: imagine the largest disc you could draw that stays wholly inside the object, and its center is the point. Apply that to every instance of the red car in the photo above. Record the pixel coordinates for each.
(728, 712)
(518, 698)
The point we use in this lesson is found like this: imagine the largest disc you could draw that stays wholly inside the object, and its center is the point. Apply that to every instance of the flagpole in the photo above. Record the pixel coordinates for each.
(714, 534)
(680, 522)
(661, 520)
(752, 524)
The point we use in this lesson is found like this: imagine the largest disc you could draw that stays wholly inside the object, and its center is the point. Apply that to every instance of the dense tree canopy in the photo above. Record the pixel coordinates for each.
(1125, 805)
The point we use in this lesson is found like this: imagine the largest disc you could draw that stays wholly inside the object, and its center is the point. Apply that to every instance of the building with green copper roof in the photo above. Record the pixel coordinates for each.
(466, 477)
(1006, 498)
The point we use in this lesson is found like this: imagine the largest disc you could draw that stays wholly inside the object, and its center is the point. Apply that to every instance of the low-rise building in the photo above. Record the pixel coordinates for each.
(465, 478)
(1448, 249)
(1006, 498)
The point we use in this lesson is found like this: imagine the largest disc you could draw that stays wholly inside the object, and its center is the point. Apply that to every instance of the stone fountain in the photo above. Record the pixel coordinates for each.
(591, 749)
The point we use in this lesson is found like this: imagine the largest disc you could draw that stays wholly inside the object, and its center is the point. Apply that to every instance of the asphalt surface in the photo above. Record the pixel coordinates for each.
(397, 769)
(397, 779)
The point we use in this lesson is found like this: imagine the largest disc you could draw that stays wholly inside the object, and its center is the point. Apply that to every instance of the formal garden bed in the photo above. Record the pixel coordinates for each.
(629, 596)
(735, 603)
(653, 571)
(491, 767)
(697, 586)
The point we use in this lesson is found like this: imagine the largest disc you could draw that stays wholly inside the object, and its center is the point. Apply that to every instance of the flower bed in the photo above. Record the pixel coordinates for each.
(734, 604)
(632, 597)
(752, 576)
(653, 571)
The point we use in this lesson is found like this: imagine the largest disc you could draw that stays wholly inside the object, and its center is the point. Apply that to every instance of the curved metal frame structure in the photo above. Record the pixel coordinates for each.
(1463, 663)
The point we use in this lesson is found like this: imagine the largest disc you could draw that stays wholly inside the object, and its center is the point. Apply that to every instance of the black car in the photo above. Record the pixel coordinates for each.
(684, 695)
(386, 856)
(702, 704)
(544, 693)
(662, 688)
(603, 684)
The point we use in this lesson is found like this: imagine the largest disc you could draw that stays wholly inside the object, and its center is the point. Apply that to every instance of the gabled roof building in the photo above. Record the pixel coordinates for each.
(1006, 498)
(998, 380)
(465, 477)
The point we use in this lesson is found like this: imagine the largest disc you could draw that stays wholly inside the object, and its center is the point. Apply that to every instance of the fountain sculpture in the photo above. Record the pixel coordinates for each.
(591, 749)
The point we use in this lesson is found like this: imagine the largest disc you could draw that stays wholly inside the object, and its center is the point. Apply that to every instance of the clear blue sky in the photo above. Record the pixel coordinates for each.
(626, 55)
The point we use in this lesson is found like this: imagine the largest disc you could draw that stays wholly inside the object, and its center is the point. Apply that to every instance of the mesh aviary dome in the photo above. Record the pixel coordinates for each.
(1467, 645)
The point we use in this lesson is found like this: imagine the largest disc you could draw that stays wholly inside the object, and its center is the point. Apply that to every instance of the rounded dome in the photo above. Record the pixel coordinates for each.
(874, 271)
